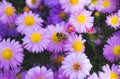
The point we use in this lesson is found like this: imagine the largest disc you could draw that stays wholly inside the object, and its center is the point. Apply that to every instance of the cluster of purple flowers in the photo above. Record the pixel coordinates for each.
(61, 33)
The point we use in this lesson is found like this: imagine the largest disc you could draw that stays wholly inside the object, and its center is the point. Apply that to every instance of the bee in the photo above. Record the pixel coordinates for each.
(61, 36)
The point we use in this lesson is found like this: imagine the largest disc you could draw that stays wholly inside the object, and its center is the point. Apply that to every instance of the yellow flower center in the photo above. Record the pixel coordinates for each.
(7, 54)
(56, 38)
(76, 66)
(106, 3)
(116, 50)
(114, 20)
(94, 2)
(26, 9)
(81, 18)
(18, 76)
(74, 2)
(113, 75)
(36, 37)
(9, 11)
(34, 1)
(78, 46)
(62, 14)
(61, 58)
(29, 20)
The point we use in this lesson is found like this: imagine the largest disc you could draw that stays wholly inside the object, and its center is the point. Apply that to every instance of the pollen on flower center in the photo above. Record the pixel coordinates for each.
(62, 14)
(61, 58)
(94, 2)
(74, 2)
(36, 37)
(106, 3)
(26, 9)
(81, 18)
(113, 75)
(34, 1)
(9, 11)
(55, 38)
(116, 50)
(76, 66)
(114, 20)
(78, 46)
(7, 54)
(29, 20)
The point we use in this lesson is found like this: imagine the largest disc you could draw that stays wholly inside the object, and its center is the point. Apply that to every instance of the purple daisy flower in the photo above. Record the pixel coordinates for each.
(28, 21)
(57, 15)
(11, 54)
(36, 40)
(93, 5)
(113, 20)
(56, 41)
(72, 6)
(8, 30)
(39, 73)
(11, 30)
(110, 73)
(2, 31)
(111, 50)
(76, 66)
(7, 12)
(107, 6)
(74, 44)
(33, 4)
(82, 20)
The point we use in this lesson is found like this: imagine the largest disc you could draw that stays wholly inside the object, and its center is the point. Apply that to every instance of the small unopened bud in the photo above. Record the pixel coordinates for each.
(97, 14)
